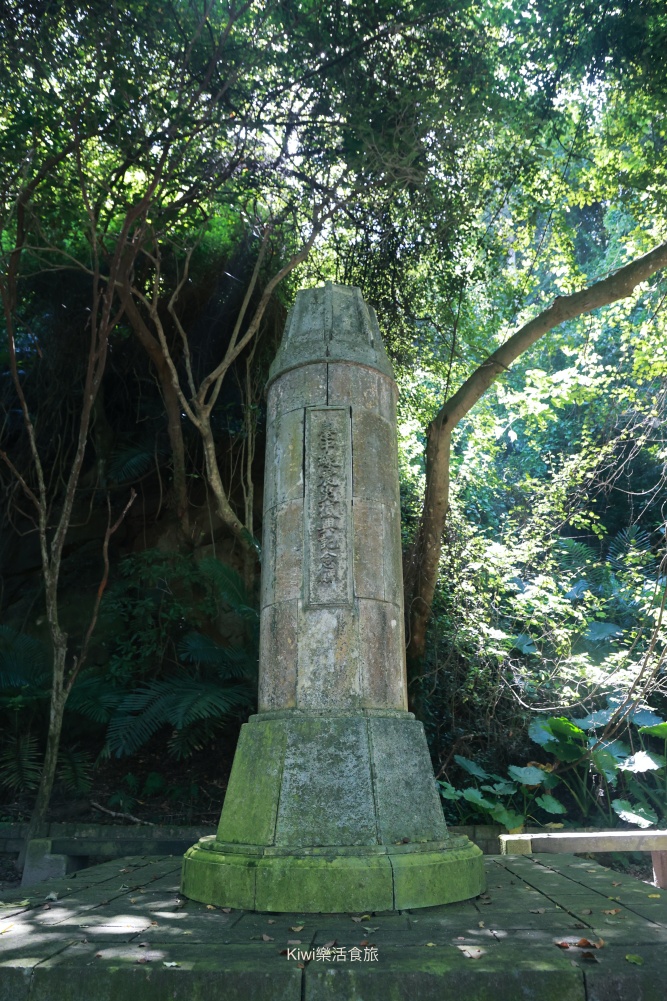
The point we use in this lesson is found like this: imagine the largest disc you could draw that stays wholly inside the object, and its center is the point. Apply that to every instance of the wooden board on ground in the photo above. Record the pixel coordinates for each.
(546, 928)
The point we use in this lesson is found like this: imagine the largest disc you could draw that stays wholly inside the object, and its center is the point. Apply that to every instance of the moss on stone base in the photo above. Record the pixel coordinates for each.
(330, 813)
(331, 884)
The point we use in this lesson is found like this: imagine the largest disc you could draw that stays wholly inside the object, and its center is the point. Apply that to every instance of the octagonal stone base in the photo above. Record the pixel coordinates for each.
(330, 813)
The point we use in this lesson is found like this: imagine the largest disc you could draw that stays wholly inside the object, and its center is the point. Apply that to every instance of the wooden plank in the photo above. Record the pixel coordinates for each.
(571, 842)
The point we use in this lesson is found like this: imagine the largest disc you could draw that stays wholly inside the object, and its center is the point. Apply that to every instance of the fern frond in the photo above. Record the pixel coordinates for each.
(177, 701)
(74, 769)
(20, 763)
(203, 700)
(93, 698)
(183, 743)
(576, 557)
(131, 459)
(229, 586)
(630, 549)
(24, 660)
(227, 662)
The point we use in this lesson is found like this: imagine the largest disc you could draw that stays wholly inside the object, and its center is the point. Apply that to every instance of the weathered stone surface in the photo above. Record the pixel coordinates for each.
(288, 571)
(368, 520)
(381, 643)
(251, 819)
(331, 323)
(286, 460)
(324, 885)
(408, 804)
(327, 793)
(392, 559)
(501, 947)
(347, 771)
(374, 458)
(435, 975)
(367, 387)
(328, 516)
(41, 864)
(430, 878)
(299, 388)
(278, 651)
(200, 973)
(328, 671)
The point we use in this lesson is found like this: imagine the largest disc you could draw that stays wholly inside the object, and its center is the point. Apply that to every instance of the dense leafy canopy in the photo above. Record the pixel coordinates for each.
(465, 163)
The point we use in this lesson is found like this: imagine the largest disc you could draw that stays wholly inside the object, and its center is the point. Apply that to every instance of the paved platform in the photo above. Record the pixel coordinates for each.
(122, 931)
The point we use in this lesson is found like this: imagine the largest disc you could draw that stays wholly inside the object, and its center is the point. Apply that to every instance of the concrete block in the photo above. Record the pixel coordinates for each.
(41, 865)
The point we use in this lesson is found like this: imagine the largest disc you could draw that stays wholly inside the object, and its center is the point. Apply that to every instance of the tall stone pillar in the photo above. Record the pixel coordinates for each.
(332, 804)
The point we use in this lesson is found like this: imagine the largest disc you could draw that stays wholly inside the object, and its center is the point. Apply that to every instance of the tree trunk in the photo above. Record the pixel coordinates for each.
(423, 559)
(47, 778)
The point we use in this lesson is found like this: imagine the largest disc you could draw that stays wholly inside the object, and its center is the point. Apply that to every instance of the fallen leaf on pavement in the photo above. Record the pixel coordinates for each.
(633, 958)
(267, 938)
(584, 943)
(613, 910)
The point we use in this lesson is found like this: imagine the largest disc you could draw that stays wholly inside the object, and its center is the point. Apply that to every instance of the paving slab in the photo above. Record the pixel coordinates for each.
(547, 927)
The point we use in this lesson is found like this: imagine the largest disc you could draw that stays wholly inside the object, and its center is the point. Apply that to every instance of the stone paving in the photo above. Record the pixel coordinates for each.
(122, 930)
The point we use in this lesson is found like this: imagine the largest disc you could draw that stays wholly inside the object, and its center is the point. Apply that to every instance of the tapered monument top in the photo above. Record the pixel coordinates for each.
(331, 323)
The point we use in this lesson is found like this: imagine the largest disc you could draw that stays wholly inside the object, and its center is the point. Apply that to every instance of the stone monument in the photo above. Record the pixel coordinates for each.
(331, 804)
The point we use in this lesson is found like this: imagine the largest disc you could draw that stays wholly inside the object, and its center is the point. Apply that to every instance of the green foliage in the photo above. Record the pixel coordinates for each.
(593, 774)
(190, 681)
(20, 762)
(74, 771)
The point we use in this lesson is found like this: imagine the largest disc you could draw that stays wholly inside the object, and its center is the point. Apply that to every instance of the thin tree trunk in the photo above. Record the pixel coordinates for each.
(50, 762)
(423, 559)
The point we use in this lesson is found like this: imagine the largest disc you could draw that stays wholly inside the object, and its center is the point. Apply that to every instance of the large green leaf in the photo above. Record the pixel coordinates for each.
(474, 796)
(550, 804)
(528, 775)
(642, 761)
(471, 767)
(658, 730)
(633, 813)
(448, 791)
(508, 818)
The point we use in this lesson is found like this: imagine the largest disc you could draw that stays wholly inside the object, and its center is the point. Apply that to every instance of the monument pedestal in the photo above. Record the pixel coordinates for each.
(331, 813)
(331, 804)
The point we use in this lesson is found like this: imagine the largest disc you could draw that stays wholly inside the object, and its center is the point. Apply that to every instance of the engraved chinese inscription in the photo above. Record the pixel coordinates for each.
(327, 510)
